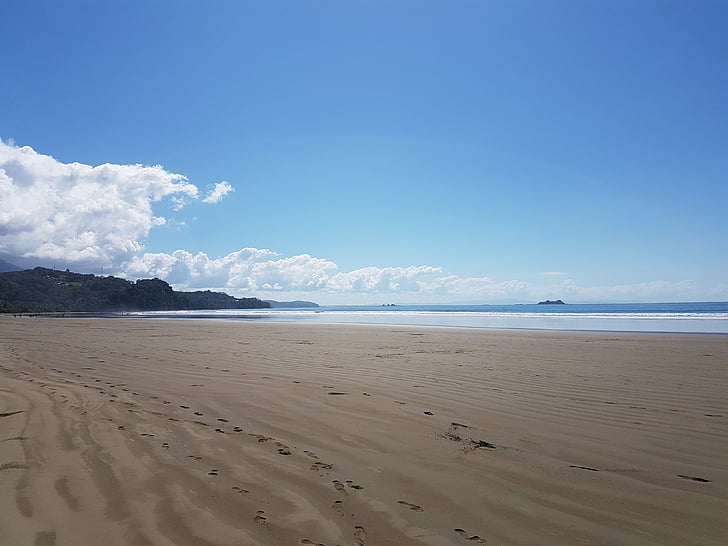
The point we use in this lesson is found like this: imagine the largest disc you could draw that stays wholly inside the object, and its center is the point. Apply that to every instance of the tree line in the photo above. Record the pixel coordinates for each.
(42, 290)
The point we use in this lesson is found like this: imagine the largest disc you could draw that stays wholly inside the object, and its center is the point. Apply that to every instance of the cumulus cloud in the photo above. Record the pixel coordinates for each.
(193, 271)
(387, 279)
(298, 273)
(248, 270)
(80, 214)
(220, 190)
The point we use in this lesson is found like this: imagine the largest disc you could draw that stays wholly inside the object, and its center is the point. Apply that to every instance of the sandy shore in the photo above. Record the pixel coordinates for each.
(133, 432)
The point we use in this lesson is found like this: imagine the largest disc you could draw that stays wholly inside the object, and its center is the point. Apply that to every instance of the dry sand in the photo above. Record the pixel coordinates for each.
(133, 432)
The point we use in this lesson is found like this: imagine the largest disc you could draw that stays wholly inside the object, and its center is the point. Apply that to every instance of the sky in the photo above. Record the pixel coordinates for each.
(369, 152)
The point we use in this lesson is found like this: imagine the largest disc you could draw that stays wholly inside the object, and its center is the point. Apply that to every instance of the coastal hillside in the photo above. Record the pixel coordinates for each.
(42, 290)
(298, 304)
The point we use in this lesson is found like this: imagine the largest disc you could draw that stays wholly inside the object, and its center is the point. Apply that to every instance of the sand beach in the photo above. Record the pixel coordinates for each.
(183, 432)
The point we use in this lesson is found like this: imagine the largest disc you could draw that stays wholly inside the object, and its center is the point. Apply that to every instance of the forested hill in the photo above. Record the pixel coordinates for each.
(42, 290)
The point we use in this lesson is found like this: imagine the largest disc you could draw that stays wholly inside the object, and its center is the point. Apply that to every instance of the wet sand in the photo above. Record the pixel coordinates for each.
(135, 431)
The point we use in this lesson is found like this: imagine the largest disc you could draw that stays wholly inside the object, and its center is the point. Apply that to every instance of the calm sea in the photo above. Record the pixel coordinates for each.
(701, 317)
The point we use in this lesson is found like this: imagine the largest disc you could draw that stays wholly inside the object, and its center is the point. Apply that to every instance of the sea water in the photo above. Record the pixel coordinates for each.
(696, 317)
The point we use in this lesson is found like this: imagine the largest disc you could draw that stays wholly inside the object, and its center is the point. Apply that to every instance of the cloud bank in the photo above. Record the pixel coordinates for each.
(262, 273)
(83, 215)
(90, 218)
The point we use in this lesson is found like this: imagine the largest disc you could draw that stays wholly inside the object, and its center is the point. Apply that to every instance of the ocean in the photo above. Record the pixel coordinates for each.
(694, 317)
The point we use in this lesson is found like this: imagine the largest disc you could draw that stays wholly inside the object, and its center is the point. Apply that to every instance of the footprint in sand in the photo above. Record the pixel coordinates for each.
(237, 429)
(310, 454)
(240, 490)
(413, 507)
(213, 472)
(321, 467)
(223, 420)
(353, 485)
(221, 431)
(185, 407)
(339, 507)
(474, 538)
(306, 541)
(199, 413)
(282, 451)
(165, 445)
(259, 517)
(339, 486)
(360, 535)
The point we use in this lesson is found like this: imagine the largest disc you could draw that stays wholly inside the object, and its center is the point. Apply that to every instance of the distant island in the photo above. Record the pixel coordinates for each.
(42, 290)
(551, 302)
(291, 304)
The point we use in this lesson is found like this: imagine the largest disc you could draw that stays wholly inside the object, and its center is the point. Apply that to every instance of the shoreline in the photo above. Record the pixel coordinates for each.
(237, 432)
(252, 318)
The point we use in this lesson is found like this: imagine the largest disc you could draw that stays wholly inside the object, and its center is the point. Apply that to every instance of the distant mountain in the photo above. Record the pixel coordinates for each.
(551, 302)
(42, 290)
(6, 266)
(291, 304)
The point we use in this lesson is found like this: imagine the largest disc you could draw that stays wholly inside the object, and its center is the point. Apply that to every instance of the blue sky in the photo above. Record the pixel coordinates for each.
(466, 151)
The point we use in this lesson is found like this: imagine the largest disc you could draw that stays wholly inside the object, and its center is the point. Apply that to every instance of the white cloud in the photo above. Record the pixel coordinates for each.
(387, 279)
(253, 271)
(302, 273)
(220, 190)
(197, 271)
(79, 214)
(245, 271)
